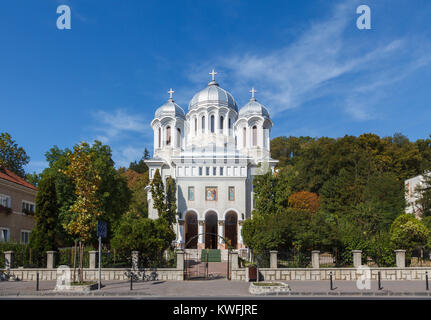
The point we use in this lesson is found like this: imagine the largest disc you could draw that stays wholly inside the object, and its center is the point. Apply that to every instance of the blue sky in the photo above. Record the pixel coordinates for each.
(315, 71)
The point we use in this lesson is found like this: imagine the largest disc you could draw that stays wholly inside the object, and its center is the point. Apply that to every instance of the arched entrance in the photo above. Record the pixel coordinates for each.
(211, 234)
(191, 230)
(231, 228)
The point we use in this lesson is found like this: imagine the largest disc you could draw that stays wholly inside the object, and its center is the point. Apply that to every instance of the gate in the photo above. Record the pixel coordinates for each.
(206, 264)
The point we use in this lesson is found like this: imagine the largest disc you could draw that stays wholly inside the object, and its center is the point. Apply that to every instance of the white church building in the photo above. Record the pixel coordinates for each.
(213, 152)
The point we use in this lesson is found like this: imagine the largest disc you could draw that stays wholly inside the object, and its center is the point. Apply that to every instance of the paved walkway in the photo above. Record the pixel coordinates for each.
(221, 288)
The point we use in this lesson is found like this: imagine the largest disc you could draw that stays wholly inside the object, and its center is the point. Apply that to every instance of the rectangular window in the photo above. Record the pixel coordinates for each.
(27, 207)
(214, 171)
(211, 193)
(221, 171)
(5, 201)
(231, 194)
(191, 194)
(207, 171)
(200, 171)
(4, 235)
(25, 236)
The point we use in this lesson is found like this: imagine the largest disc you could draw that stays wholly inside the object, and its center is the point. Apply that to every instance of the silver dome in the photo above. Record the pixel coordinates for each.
(170, 109)
(253, 108)
(213, 94)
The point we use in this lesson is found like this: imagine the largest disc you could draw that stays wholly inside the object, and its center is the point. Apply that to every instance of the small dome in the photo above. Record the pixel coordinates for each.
(170, 109)
(253, 108)
(213, 94)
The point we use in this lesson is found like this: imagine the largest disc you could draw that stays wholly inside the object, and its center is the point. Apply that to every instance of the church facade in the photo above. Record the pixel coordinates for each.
(213, 152)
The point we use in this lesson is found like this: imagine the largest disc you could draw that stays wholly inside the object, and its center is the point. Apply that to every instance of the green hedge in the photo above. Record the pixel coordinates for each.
(24, 256)
(109, 258)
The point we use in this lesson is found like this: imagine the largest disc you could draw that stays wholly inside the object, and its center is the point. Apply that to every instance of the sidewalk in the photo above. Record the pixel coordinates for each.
(219, 288)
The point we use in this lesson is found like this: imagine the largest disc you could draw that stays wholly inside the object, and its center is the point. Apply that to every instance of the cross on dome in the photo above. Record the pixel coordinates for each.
(253, 91)
(212, 73)
(171, 92)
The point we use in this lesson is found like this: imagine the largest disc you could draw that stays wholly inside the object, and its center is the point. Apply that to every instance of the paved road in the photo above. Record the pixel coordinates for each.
(223, 288)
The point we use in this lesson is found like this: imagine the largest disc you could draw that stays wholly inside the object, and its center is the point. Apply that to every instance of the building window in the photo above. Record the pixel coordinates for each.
(231, 194)
(168, 136)
(178, 137)
(244, 137)
(254, 135)
(203, 124)
(221, 171)
(200, 171)
(214, 171)
(196, 126)
(191, 194)
(221, 123)
(27, 207)
(5, 201)
(212, 124)
(160, 137)
(211, 193)
(25, 236)
(207, 171)
(230, 124)
(4, 234)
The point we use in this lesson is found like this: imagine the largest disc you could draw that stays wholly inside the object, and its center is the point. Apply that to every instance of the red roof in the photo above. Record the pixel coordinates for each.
(8, 175)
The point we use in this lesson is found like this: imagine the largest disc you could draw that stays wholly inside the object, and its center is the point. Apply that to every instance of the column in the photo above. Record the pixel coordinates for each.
(273, 259)
(135, 260)
(220, 231)
(93, 255)
(315, 259)
(357, 258)
(201, 242)
(181, 232)
(401, 258)
(50, 259)
(240, 241)
(9, 259)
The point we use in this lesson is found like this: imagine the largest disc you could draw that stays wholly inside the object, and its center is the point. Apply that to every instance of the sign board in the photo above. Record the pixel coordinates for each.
(102, 229)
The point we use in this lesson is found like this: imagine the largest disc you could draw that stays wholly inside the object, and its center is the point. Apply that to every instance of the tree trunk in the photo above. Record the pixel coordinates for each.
(74, 263)
(80, 260)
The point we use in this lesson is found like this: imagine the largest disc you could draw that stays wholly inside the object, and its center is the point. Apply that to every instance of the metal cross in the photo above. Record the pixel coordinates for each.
(253, 92)
(212, 73)
(171, 93)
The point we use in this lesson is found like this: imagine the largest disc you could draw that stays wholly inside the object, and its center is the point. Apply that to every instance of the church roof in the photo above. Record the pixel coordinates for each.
(253, 107)
(213, 94)
(170, 109)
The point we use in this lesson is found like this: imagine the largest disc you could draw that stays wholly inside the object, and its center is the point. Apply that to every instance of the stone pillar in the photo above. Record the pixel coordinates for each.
(315, 259)
(401, 258)
(135, 260)
(201, 242)
(50, 259)
(180, 232)
(220, 231)
(9, 259)
(357, 258)
(240, 241)
(180, 259)
(234, 265)
(273, 259)
(93, 255)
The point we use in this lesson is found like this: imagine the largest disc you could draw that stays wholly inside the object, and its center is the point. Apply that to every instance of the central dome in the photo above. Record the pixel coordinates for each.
(213, 95)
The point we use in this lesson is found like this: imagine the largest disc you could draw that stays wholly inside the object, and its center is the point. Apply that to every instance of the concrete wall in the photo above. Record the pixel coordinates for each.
(92, 274)
(286, 274)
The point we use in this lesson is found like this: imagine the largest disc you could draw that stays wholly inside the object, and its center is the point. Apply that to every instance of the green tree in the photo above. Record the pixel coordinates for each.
(12, 156)
(33, 178)
(423, 194)
(408, 233)
(171, 201)
(44, 235)
(158, 194)
(150, 237)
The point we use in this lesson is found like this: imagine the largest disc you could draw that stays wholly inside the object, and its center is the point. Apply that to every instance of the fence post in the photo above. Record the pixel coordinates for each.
(273, 259)
(92, 259)
(9, 259)
(401, 258)
(180, 259)
(315, 259)
(357, 258)
(50, 259)
(135, 260)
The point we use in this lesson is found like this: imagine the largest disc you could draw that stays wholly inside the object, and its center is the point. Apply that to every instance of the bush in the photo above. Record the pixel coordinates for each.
(24, 256)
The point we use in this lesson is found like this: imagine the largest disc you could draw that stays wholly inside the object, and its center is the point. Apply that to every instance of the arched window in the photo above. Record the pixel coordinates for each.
(168, 136)
(254, 135)
(160, 137)
(212, 124)
(244, 137)
(229, 126)
(196, 126)
(203, 124)
(178, 137)
(221, 123)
